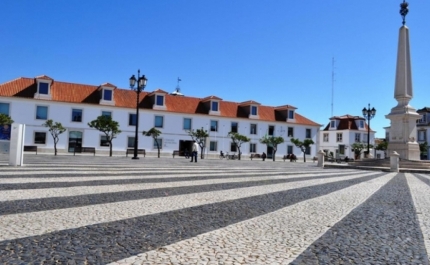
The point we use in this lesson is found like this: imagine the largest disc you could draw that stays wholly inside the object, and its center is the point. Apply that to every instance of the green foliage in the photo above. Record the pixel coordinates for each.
(154, 133)
(199, 136)
(238, 140)
(5, 119)
(272, 141)
(423, 148)
(55, 128)
(358, 148)
(302, 145)
(382, 146)
(109, 127)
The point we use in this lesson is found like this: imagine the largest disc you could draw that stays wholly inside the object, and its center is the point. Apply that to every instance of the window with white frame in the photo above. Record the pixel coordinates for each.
(308, 133)
(253, 129)
(253, 148)
(233, 147)
(308, 150)
(160, 143)
(43, 88)
(213, 146)
(107, 113)
(325, 137)
(158, 121)
(159, 100)
(357, 137)
(103, 140)
(77, 115)
(234, 127)
(187, 124)
(254, 110)
(365, 137)
(361, 124)
(289, 149)
(132, 119)
(423, 118)
(290, 131)
(421, 135)
(107, 94)
(130, 142)
(214, 105)
(41, 112)
(271, 130)
(214, 126)
(291, 114)
(39, 138)
(4, 108)
(339, 137)
(332, 124)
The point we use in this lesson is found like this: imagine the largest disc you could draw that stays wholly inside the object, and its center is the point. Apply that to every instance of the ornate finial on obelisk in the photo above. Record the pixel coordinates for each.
(404, 11)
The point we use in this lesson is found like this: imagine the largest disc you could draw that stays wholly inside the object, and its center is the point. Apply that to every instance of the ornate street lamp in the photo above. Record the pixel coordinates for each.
(141, 83)
(368, 114)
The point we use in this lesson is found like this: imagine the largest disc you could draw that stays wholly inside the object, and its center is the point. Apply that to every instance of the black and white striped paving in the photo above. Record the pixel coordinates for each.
(114, 210)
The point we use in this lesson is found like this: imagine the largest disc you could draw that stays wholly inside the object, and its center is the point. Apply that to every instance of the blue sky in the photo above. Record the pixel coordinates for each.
(275, 52)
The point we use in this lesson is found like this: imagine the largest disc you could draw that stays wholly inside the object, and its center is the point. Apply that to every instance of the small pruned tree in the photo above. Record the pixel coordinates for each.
(358, 148)
(154, 133)
(55, 128)
(302, 145)
(273, 142)
(109, 127)
(238, 140)
(199, 136)
(5, 119)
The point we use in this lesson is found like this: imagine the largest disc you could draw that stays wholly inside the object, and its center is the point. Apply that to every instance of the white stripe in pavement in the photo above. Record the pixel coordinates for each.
(420, 194)
(10, 195)
(37, 223)
(275, 238)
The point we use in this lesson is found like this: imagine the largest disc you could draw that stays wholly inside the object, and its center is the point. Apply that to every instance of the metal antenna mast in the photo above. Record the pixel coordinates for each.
(332, 86)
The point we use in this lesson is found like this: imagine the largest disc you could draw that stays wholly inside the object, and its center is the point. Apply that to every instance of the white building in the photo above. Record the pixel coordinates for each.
(341, 132)
(32, 101)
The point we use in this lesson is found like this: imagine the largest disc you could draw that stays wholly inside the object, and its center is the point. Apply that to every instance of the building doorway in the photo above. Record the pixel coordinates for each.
(75, 141)
(269, 152)
(185, 146)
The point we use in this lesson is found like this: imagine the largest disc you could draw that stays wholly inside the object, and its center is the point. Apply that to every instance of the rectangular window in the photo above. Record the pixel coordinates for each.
(254, 110)
(361, 122)
(358, 137)
(341, 149)
(233, 147)
(333, 124)
(77, 115)
(43, 88)
(107, 113)
(234, 127)
(40, 137)
(325, 137)
(290, 131)
(253, 129)
(271, 130)
(213, 146)
(339, 137)
(103, 140)
(41, 113)
(132, 119)
(159, 100)
(291, 114)
(365, 135)
(308, 150)
(4, 108)
(253, 148)
(289, 149)
(130, 142)
(421, 135)
(308, 133)
(214, 106)
(214, 126)
(187, 124)
(107, 94)
(158, 122)
(160, 143)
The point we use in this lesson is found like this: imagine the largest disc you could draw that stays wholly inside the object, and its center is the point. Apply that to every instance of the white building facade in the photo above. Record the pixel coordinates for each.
(32, 101)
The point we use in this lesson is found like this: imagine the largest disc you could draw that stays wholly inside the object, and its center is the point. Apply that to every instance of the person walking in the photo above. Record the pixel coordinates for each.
(194, 151)
(264, 156)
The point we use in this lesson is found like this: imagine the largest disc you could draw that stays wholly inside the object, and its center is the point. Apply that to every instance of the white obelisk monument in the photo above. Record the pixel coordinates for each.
(403, 130)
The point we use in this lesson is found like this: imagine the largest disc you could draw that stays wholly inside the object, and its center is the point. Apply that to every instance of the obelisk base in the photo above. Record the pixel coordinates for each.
(409, 151)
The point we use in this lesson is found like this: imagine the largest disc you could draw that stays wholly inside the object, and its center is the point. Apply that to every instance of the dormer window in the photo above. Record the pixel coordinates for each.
(214, 106)
(291, 114)
(107, 94)
(159, 100)
(254, 110)
(333, 124)
(43, 87)
(361, 124)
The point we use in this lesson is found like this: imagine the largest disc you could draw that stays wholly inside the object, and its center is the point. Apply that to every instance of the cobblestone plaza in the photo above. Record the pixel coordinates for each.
(114, 210)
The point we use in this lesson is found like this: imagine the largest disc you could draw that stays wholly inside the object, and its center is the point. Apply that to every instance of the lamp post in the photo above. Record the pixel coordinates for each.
(141, 83)
(368, 114)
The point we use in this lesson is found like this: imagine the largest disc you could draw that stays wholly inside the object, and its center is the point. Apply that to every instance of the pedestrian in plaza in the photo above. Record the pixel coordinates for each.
(264, 156)
(194, 151)
(186, 154)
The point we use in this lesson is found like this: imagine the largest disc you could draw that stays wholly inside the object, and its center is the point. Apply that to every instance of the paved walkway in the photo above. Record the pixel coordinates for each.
(101, 210)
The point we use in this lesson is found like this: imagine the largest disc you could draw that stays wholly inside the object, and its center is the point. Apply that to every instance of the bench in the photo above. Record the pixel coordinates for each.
(255, 156)
(139, 152)
(292, 157)
(30, 148)
(84, 150)
(175, 153)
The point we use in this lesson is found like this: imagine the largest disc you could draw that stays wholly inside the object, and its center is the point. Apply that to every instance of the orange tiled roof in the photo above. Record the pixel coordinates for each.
(126, 98)
(347, 122)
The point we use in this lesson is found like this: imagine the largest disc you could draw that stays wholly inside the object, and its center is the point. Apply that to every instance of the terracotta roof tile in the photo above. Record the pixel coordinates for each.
(126, 98)
(249, 102)
(108, 85)
(44, 77)
(347, 122)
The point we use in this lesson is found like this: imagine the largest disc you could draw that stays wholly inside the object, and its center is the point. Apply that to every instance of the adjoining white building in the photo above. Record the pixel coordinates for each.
(32, 101)
(341, 132)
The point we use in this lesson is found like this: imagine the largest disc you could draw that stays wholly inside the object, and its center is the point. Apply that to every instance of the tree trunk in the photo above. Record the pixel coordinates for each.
(273, 155)
(158, 152)
(110, 148)
(238, 156)
(55, 149)
(201, 153)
